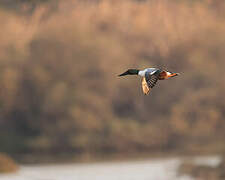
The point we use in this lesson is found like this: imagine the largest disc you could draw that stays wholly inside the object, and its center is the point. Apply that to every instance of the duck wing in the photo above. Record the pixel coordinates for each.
(149, 81)
(145, 87)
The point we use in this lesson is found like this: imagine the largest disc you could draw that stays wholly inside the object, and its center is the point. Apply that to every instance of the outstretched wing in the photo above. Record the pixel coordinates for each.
(145, 87)
(149, 81)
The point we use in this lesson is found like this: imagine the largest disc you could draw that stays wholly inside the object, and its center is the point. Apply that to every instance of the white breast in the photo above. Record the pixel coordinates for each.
(150, 70)
(142, 73)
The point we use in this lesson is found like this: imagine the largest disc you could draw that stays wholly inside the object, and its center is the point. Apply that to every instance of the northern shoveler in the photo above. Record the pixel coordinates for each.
(150, 76)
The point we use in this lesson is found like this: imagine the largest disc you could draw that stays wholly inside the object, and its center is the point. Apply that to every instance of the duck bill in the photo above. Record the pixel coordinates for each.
(173, 75)
(124, 74)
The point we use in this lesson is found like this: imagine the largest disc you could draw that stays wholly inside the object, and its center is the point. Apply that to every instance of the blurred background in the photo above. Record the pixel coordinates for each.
(61, 99)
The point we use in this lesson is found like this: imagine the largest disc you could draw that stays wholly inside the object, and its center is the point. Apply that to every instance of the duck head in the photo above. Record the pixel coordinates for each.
(130, 72)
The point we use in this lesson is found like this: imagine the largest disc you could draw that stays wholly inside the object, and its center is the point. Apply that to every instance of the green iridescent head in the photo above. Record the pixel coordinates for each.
(130, 72)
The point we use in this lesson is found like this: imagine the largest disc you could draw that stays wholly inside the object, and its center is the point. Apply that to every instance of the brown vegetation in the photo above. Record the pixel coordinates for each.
(59, 90)
(203, 172)
(7, 165)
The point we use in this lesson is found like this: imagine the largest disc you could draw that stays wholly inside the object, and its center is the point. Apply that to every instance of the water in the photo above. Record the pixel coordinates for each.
(153, 169)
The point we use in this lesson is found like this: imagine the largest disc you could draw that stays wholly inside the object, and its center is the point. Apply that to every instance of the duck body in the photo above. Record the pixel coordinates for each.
(149, 70)
(150, 76)
(162, 73)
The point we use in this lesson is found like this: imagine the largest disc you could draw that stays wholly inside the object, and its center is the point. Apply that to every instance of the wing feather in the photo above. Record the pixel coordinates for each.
(145, 87)
(149, 81)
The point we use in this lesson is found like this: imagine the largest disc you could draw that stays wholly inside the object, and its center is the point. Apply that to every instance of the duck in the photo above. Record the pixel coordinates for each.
(150, 76)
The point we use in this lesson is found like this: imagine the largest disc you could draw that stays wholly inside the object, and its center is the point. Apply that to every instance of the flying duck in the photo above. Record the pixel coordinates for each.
(150, 76)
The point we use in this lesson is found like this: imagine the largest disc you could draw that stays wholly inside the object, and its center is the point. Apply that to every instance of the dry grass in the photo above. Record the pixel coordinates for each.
(7, 165)
(203, 172)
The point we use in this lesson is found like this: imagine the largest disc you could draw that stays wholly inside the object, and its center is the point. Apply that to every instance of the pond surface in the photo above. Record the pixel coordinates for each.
(152, 169)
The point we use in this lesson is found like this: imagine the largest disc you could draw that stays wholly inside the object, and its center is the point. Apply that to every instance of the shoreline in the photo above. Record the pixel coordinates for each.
(32, 159)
